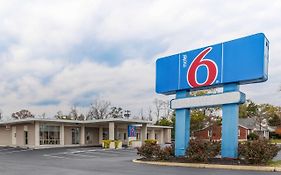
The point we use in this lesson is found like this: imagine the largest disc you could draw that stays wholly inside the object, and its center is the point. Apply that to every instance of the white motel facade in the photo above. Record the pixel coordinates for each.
(44, 133)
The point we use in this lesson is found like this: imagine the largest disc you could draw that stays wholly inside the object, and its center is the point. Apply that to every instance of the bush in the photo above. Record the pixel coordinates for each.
(257, 151)
(150, 141)
(201, 151)
(152, 151)
(130, 142)
(253, 136)
(116, 142)
(106, 143)
(148, 150)
(168, 151)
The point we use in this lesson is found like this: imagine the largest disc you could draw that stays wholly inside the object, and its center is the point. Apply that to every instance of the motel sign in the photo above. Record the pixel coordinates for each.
(228, 65)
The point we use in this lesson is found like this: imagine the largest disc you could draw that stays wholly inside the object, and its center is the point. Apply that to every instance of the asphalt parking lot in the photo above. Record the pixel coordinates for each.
(89, 160)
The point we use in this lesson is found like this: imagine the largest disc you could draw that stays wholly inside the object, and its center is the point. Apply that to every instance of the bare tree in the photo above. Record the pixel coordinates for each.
(61, 116)
(150, 114)
(99, 109)
(22, 114)
(158, 107)
(116, 112)
(166, 109)
(135, 117)
(1, 115)
(142, 114)
(42, 115)
(73, 113)
(81, 117)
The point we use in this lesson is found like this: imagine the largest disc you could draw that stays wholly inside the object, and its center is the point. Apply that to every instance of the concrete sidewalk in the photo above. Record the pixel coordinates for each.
(212, 166)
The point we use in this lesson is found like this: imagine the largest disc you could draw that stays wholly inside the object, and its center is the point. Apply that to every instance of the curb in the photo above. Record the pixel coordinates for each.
(211, 166)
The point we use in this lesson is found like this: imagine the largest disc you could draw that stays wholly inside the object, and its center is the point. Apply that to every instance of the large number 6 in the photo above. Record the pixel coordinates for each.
(200, 60)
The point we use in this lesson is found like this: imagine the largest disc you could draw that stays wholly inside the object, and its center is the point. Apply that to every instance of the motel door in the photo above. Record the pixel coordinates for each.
(75, 135)
(14, 135)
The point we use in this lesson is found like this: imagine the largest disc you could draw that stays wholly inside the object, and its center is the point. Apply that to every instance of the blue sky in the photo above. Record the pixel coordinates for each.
(55, 54)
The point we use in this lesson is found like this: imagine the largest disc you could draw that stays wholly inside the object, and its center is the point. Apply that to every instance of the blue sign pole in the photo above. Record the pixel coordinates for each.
(230, 115)
(182, 133)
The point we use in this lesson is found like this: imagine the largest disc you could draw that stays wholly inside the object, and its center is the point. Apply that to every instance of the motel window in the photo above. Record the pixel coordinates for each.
(125, 136)
(75, 132)
(119, 136)
(88, 136)
(105, 135)
(25, 137)
(49, 134)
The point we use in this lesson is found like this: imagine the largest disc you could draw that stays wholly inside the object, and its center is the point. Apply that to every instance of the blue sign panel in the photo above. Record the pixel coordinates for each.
(132, 131)
(241, 61)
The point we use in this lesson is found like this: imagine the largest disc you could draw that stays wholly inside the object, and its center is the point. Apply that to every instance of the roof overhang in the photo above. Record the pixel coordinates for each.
(101, 121)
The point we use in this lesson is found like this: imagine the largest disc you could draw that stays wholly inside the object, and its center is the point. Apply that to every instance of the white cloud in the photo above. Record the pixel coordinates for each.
(38, 40)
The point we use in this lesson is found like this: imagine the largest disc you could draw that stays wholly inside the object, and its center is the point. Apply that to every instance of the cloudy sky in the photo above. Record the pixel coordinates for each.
(56, 54)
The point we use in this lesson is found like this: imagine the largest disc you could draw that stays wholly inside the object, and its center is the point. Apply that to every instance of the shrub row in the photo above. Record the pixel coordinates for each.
(252, 152)
(106, 143)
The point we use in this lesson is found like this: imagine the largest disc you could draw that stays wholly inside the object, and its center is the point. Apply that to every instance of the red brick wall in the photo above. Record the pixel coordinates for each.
(243, 133)
(203, 134)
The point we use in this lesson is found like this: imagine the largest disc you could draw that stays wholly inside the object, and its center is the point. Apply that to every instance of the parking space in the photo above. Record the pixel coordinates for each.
(90, 153)
(88, 160)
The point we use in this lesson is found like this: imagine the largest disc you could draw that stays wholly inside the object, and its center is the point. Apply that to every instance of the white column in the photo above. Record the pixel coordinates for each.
(62, 134)
(143, 132)
(37, 134)
(168, 135)
(82, 135)
(161, 137)
(100, 134)
(165, 135)
(111, 130)
(152, 134)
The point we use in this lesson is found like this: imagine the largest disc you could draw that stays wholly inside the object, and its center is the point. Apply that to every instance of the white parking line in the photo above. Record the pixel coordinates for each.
(5, 149)
(88, 153)
(127, 150)
(54, 156)
(116, 151)
(83, 155)
(65, 154)
(75, 152)
(10, 152)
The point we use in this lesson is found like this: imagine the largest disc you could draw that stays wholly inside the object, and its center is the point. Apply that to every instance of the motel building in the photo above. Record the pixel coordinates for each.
(44, 133)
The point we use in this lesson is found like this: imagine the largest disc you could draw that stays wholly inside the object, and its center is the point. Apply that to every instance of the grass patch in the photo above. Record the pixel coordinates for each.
(275, 140)
(276, 163)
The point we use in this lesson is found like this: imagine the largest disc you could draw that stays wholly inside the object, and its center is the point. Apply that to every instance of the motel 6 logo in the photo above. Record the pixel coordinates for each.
(201, 68)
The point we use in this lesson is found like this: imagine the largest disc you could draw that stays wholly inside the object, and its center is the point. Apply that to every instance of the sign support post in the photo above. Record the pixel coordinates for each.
(230, 115)
(182, 130)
